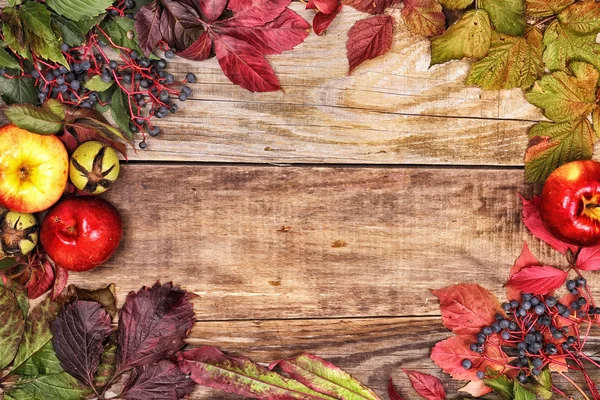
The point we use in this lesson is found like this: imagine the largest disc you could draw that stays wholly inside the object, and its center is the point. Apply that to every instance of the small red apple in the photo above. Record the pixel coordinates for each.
(570, 203)
(81, 233)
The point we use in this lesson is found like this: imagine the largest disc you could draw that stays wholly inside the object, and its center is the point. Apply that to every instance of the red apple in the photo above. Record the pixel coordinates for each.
(81, 233)
(570, 203)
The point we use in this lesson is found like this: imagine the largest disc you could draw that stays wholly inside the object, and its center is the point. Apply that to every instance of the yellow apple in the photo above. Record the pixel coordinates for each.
(33, 170)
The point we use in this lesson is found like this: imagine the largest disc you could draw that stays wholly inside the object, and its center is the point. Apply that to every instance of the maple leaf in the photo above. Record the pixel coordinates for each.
(321, 21)
(507, 16)
(152, 325)
(467, 308)
(369, 38)
(545, 8)
(537, 279)
(533, 222)
(424, 17)
(161, 381)
(469, 37)
(525, 259)
(392, 392)
(373, 7)
(588, 258)
(511, 62)
(428, 386)
(566, 97)
(79, 331)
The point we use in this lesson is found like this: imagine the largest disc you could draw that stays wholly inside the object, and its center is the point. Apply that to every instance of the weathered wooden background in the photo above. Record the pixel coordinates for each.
(318, 218)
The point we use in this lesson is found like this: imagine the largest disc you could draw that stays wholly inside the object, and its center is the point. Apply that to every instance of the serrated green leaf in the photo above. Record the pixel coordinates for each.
(55, 107)
(554, 144)
(77, 10)
(18, 394)
(521, 393)
(582, 17)
(545, 8)
(469, 37)
(71, 33)
(18, 90)
(119, 109)
(12, 29)
(456, 4)
(502, 386)
(15, 2)
(88, 23)
(42, 362)
(7, 61)
(97, 84)
(104, 99)
(512, 62)
(34, 119)
(59, 386)
(12, 327)
(38, 31)
(121, 30)
(507, 16)
(563, 46)
(20, 295)
(565, 97)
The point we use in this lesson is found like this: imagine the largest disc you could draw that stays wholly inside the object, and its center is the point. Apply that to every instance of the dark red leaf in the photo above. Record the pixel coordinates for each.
(371, 6)
(526, 259)
(428, 386)
(180, 24)
(326, 6)
(40, 280)
(254, 12)
(392, 392)
(537, 279)
(161, 381)
(200, 50)
(533, 222)
(212, 9)
(369, 38)
(589, 258)
(152, 325)
(322, 21)
(79, 331)
(284, 33)
(147, 26)
(60, 281)
(424, 17)
(244, 65)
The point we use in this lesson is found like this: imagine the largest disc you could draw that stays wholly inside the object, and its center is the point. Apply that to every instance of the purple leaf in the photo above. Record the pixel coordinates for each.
(212, 9)
(147, 26)
(161, 381)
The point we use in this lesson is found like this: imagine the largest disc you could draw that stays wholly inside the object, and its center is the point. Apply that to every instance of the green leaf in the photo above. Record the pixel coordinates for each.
(521, 393)
(18, 90)
(55, 107)
(507, 16)
(34, 119)
(554, 144)
(107, 367)
(42, 362)
(71, 33)
(97, 84)
(59, 386)
(7, 61)
(545, 8)
(469, 37)
(512, 62)
(12, 327)
(18, 394)
(456, 4)
(563, 46)
(39, 33)
(119, 109)
(121, 31)
(20, 295)
(103, 105)
(5, 263)
(502, 386)
(15, 2)
(12, 28)
(565, 97)
(78, 10)
(582, 17)
(88, 23)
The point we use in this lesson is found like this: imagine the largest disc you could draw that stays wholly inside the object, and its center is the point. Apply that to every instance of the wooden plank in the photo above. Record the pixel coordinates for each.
(371, 349)
(274, 242)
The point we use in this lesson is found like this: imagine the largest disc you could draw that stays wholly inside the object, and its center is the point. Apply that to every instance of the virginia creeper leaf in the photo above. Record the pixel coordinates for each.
(40, 280)
(121, 31)
(12, 327)
(467, 308)
(208, 366)
(326, 6)
(18, 90)
(470, 37)
(105, 296)
(373, 7)
(20, 295)
(562, 46)
(424, 17)
(507, 16)
(33, 119)
(521, 393)
(526, 259)
(97, 84)
(55, 107)
(212, 9)
(392, 392)
(7, 61)
(476, 388)
(77, 10)
(511, 62)
(588, 258)
(322, 21)
(178, 24)
(255, 12)
(545, 8)
(538, 279)
(450, 353)
(456, 4)
(502, 386)
(428, 386)
(324, 377)
(152, 324)
(39, 33)
(71, 33)
(369, 38)
(161, 381)
(199, 50)
(147, 26)
(79, 331)
(119, 109)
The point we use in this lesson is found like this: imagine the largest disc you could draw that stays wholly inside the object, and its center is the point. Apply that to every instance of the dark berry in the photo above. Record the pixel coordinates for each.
(551, 301)
(574, 292)
(523, 378)
(144, 84)
(191, 78)
(522, 312)
(581, 282)
(571, 284)
(557, 335)
(505, 335)
(551, 349)
(164, 95)
(129, 4)
(575, 306)
(106, 78)
(64, 47)
(183, 96)
(142, 145)
(144, 62)
(75, 85)
(101, 43)
(504, 324)
(582, 301)
(466, 364)
(112, 64)
(481, 338)
(514, 304)
(480, 374)
(126, 78)
(161, 64)
(539, 309)
(526, 296)
(487, 331)
(35, 74)
(188, 90)
(534, 301)
(134, 55)
(169, 79)
(473, 346)
(571, 340)
(175, 107)
(86, 65)
(169, 53)
(133, 128)
(537, 362)
(155, 130)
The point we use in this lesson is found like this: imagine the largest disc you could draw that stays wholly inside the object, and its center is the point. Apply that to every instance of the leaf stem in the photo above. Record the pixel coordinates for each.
(543, 21)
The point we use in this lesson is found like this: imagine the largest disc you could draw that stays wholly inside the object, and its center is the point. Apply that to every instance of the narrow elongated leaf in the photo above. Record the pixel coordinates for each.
(424, 17)
(392, 392)
(208, 366)
(61, 276)
(12, 327)
(212, 9)
(33, 119)
(147, 25)
(18, 90)
(78, 10)
(255, 12)
(199, 50)
(152, 324)
(79, 331)
(507, 16)
(428, 386)
(322, 21)
(369, 38)
(324, 377)
(161, 381)
(502, 386)
(7, 61)
(119, 109)
(538, 279)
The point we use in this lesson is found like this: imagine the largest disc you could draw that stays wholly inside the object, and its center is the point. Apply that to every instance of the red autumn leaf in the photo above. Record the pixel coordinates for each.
(369, 38)
(180, 24)
(476, 388)
(526, 259)
(244, 66)
(255, 12)
(79, 331)
(199, 50)
(424, 17)
(40, 280)
(325, 6)
(60, 281)
(147, 26)
(537, 279)
(153, 324)
(533, 222)
(450, 353)
(322, 21)
(371, 6)
(283, 33)
(212, 9)
(161, 381)
(392, 392)
(588, 258)
(428, 386)
(467, 308)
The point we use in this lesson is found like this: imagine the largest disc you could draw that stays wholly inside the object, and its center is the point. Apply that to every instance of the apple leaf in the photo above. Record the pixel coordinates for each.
(322, 21)
(470, 37)
(428, 386)
(507, 16)
(324, 377)
(373, 7)
(467, 308)
(545, 8)
(588, 258)
(512, 62)
(566, 97)
(77, 10)
(12, 327)
(456, 4)
(554, 144)
(151, 382)
(424, 17)
(33, 119)
(392, 392)
(537, 279)
(526, 259)
(208, 366)
(561, 46)
(521, 393)
(152, 325)
(369, 38)
(79, 332)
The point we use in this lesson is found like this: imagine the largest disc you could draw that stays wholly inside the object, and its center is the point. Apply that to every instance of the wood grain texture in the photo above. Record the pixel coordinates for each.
(273, 242)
